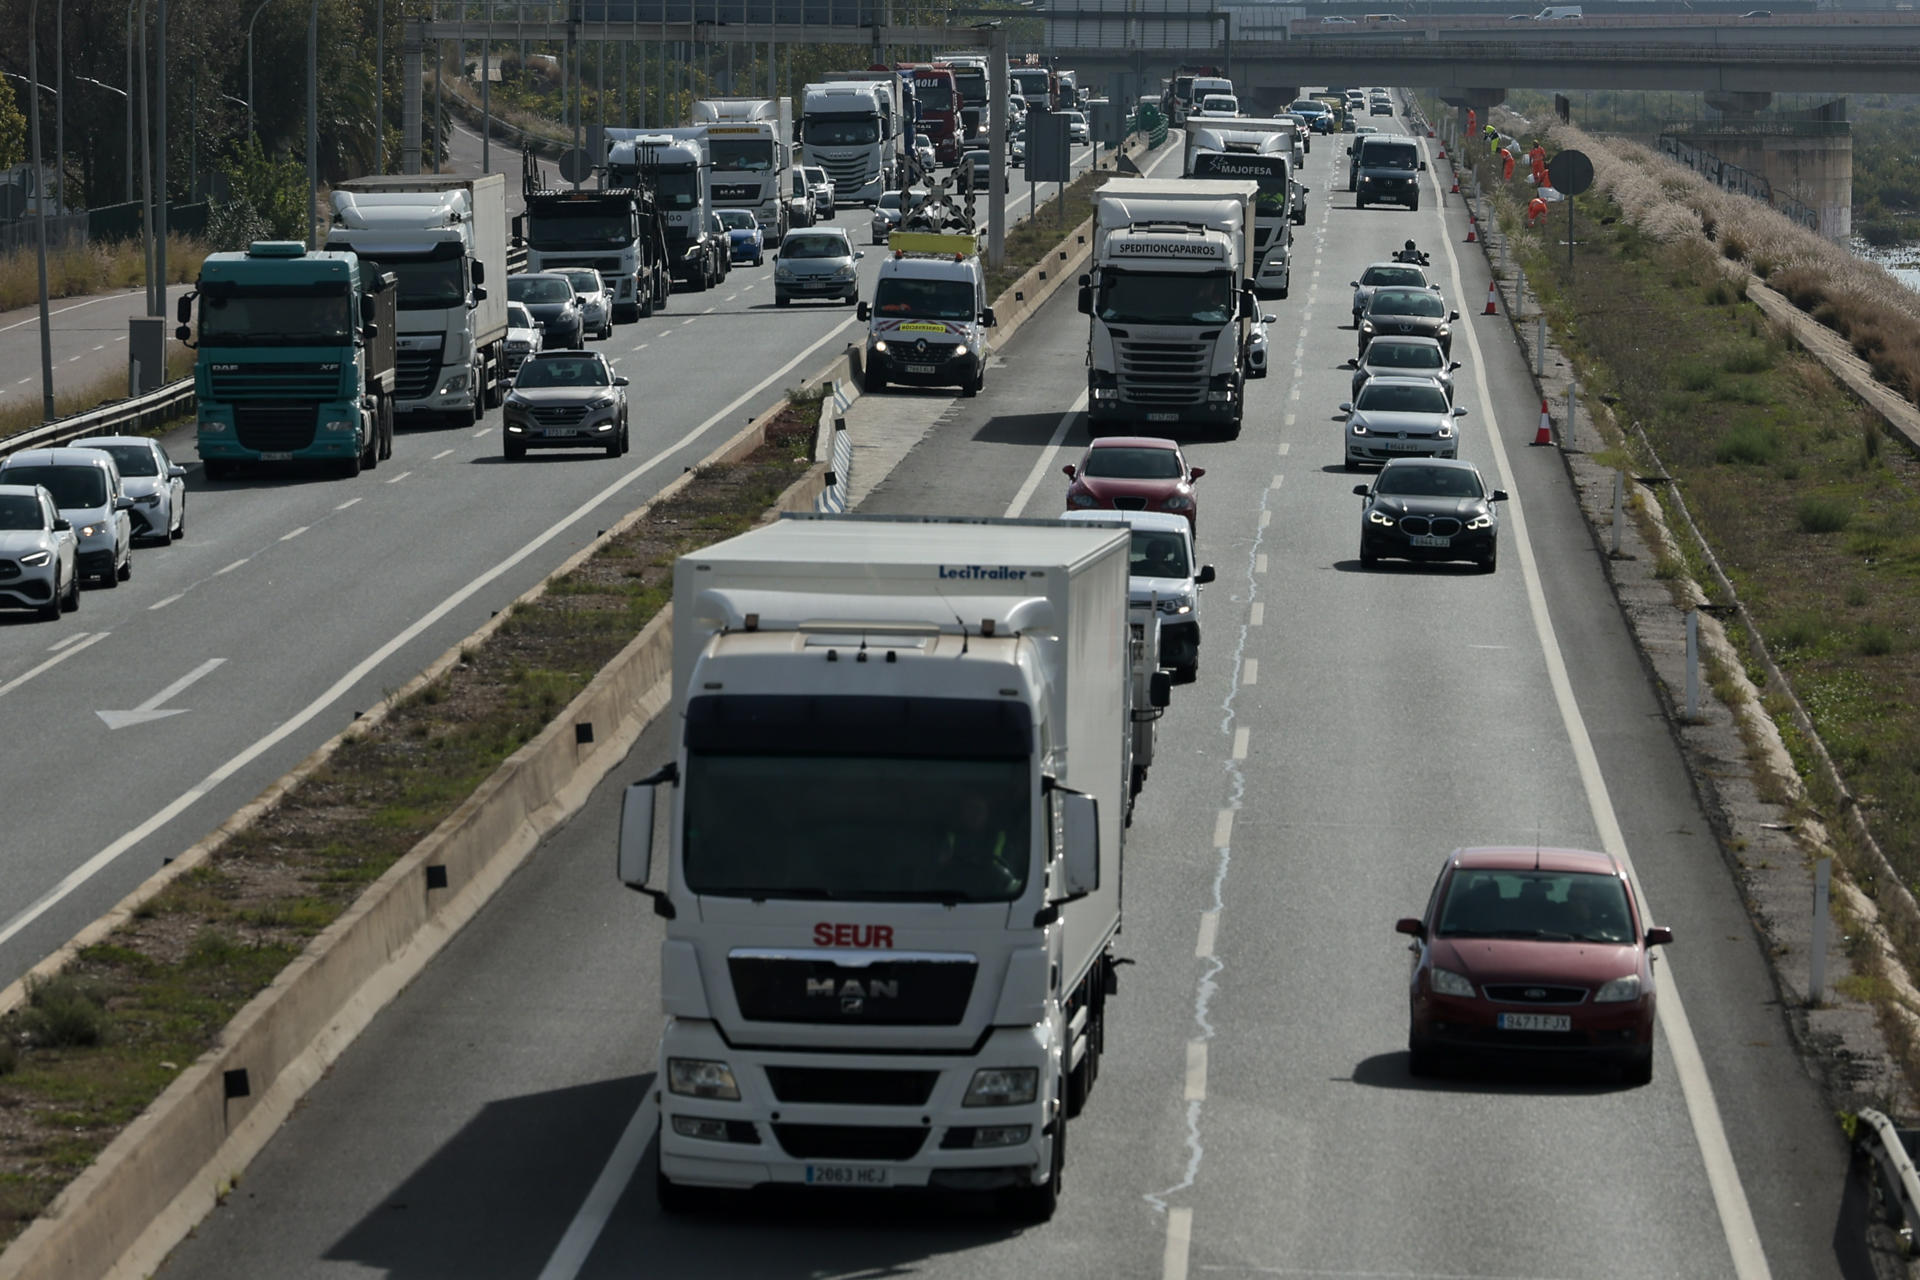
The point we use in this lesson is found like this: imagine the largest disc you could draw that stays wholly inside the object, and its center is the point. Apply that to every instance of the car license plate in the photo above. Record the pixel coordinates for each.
(1408, 446)
(1163, 417)
(1429, 540)
(919, 368)
(848, 1175)
(1535, 1022)
(276, 457)
(563, 431)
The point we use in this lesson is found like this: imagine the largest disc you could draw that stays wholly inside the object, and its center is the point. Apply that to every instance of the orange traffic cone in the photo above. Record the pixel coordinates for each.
(1443, 153)
(1544, 434)
(1473, 227)
(1429, 131)
(1493, 304)
(1455, 189)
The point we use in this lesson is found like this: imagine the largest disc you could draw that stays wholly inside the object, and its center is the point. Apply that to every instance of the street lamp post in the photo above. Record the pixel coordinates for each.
(59, 105)
(313, 122)
(256, 13)
(39, 210)
(160, 178)
(380, 87)
(129, 97)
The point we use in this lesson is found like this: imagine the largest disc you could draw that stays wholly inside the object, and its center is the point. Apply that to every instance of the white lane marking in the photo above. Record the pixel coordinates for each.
(1047, 455)
(397, 479)
(1709, 1132)
(1257, 616)
(476, 435)
(1173, 1263)
(101, 347)
(1286, 448)
(1251, 673)
(1196, 1071)
(349, 502)
(54, 661)
(73, 359)
(348, 679)
(164, 602)
(1223, 829)
(584, 1231)
(1209, 934)
(642, 347)
(230, 568)
(1260, 563)
(151, 708)
(121, 338)
(62, 311)
(291, 534)
(1241, 739)
(1276, 482)
(710, 310)
(444, 453)
(1266, 518)
(24, 381)
(689, 320)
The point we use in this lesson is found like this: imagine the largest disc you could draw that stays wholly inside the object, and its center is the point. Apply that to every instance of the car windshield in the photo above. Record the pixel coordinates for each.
(538, 289)
(1409, 276)
(1402, 355)
(1124, 463)
(902, 297)
(737, 220)
(563, 373)
(1382, 397)
(1555, 906)
(1428, 482)
(518, 317)
(1129, 297)
(804, 246)
(72, 487)
(1405, 303)
(583, 281)
(1395, 156)
(1157, 554)
(132, 459)
(21, 511)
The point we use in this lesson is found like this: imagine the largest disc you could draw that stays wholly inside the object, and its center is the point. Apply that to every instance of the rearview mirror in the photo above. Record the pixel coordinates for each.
(619, 382)
(862, 311)
(61, 525)
(1362, 490)
(1205, 575)
(1346, 406)
(1068, 470)
(175, 471)
(1498, 495)
(1423, 166)
(1160, 689)
(1455, 365)
(1085, 300)
(1196, 473)
(1080, 842)
(1658, 935)
(986, 318)
(1410, 925)
(1459, 411)
(1452, 316)
(859, 254)
(184, 312)
(636, 835)
(1268, 318)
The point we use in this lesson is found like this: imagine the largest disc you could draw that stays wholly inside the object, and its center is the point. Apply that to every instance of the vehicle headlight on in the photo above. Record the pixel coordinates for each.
(1081, 498)
(34, 559)
(960, 350)
(1620, 989)
(1179, 502)
(1380, 518)
(92, 530)
(1443, 331)
(1446, 431)
(699, 1078)
(1448, 983)
(1366, 326)
(880, 345)
(1002, 1087)
(1357, 426)
(1483, 521)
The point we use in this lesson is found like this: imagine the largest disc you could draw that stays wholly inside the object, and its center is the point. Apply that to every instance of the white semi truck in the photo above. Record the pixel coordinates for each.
(844, 130)
(1266, 160)
(892, 861)
(1170, 300)
(674, 164)
(445, 239)
(748, 139)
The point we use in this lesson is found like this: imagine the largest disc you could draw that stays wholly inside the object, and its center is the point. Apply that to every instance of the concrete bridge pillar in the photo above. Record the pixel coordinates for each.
(1738, 103)
(1481, 101)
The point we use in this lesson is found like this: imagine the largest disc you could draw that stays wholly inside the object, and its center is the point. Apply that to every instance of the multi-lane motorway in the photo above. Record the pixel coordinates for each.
(292, 604)
(1254, 1117)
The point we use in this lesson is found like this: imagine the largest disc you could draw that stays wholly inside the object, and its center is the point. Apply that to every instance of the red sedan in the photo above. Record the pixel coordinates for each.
(1533, 949)
(1134, 473)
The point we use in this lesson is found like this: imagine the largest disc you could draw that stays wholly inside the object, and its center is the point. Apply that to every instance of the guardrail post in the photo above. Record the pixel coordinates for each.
(1693, 666)
(1573, 390)
(1619, 509)
(1817, 955)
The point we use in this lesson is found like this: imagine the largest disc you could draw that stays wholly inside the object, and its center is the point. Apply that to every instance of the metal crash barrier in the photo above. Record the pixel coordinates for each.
(1891, 1150)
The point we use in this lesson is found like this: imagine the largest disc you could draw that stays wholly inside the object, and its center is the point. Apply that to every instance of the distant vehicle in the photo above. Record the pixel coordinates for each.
(1400, 311)
(1394, 417)
(746, 242)
(1758, 13)
(923, 153)
(86, 488)
(37, 569)
(1337, 18)
(817, 264)
(1257, 345)
(156, 484)
(723, 238)
(566, 400)
(1558, 12)
(1219, 105)
(1147, 473)
(1407, 357)
(890, 210)
(1077, 127)
(596, 304)
(1381, 17)
(800, 204)
(822, 187)
(1385, 275)
(523, 336)
(1314, 112)
(977, 166)
(550, 298)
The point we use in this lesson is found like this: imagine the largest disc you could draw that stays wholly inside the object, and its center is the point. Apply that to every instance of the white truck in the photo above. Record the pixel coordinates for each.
(748, 140)
(1171, 302)
(1266, 160)
(673, 164)
(445, 239)
(927, 325)
(893, 860)
(843, 129)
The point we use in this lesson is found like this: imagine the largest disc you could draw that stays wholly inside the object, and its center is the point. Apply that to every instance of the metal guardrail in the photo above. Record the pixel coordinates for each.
(1877, 1138)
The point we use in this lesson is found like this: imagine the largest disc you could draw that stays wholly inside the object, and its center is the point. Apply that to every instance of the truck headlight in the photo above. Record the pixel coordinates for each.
(212, 425)
(880, 346)
(698, 1078)
(960, 350)
(458, 382)
(340, 425)
(1002, 1087)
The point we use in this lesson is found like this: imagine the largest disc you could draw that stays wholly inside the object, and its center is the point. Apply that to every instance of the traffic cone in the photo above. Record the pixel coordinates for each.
(1455, 189)
(1443, 153)
(1493, 305)
(1544, 434)
(1473, 229)
(1429, 131)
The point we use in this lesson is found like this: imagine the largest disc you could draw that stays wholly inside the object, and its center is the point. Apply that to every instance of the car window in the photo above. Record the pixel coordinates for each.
(815, 246)
(1384, 397)
(1388, 156)
(72, 487)
(21, 511)
(518, 316)
(583, 281)
(538, 289)
(1155, 554)
(1428, 482)
(562, 373)
(1558, 906)
(1399, 303)
(1402, 355)
(134, 459)
(736, 219)
(1122, 463)
(1378, 276)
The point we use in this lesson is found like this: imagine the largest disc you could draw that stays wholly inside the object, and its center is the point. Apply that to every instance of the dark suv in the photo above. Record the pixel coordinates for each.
(1385, 170)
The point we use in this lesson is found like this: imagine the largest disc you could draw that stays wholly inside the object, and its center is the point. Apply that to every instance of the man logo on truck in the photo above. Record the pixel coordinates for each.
(852, 994)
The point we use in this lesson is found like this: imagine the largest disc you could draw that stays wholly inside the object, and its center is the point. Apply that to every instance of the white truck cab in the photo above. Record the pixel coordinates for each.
(927, 324)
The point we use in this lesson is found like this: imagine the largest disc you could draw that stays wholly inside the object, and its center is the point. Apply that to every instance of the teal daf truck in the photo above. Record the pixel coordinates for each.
(296, 358)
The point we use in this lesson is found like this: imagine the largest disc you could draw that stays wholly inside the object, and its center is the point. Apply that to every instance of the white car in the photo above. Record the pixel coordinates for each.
(823, 194)
(1395, 417)
(1163, 569)
(1077, 127)
(1257, 345)
(1219, 106)
(86, 489)
(37, 569)
(923, 154)
(155, 482)
(596, 303)
(523, 336)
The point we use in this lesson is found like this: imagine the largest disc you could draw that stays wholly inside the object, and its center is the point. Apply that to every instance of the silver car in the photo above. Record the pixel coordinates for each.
(86, 488)
(596, 303)
(1408, 357)
(523, 336)
(1385, 275)
(889, 210)
(1077, 127)
(156, 483)
(923, 154)
(1400, 418)
(1257, 345)
(37, 567)
(566, 400)
(816, 263)
(822, 187)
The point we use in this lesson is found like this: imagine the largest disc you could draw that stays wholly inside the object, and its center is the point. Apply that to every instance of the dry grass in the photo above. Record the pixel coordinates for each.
(92, 268)
(22, 414)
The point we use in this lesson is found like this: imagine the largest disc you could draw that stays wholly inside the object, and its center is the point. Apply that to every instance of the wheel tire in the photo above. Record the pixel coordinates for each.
(1423, 1060)
(699, 282)
(618, 445)
(1414, 206)
(125, 571)
(1036, 1204)
(1348, 464)
(350, 467)
(672, 1197)
(643, 310)
(1367, 558)
(370, 456)
(781, 300)
(1638, 1069)
(71, 601)
(215, 469)
(495, 393)
(1358, 203)
(514, 449)
(52, 609)
(386, 429)
(873, 380)
(179, 529)
(1490, 561)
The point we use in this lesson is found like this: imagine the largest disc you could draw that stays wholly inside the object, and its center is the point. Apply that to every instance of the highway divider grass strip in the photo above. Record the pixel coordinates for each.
(96, 1044)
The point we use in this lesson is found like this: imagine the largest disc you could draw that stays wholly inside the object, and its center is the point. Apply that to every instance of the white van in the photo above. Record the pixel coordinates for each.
(1555, 12)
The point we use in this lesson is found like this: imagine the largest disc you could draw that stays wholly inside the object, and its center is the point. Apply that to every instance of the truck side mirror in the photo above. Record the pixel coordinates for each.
(862, 311)
(1080, 843)
(182, 334)
(184, 311)
(370, 331)
(1085, 299)
(479, 272)
(636, 836)
(519, 232)
(1160, 689)
(479, 295)
(986, 318)
(367, 312)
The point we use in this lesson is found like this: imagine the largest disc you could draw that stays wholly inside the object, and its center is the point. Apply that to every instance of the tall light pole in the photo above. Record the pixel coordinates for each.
(130, 4)
(156, 298)
(59, 105)
(313, 122)
(160, 177)
(256, 13)
(39, 210)
(380, 87)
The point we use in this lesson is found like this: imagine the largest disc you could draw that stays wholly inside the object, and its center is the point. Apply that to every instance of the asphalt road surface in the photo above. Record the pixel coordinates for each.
(1254, 1116)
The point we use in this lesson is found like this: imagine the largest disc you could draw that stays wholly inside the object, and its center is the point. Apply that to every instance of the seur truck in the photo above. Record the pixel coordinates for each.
(445, 239)
(1171, 302)
(748, 138)
(296, 358)
(892, 861)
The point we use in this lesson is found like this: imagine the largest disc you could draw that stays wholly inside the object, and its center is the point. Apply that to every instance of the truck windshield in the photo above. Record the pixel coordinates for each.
(427, 285)
(900, 298)
(842, 131)
(934, 95)
(973, 84)
(736, 154)
(262, 318)
(1129, 297)
(677, 188)
(860, 828)
(558, 230)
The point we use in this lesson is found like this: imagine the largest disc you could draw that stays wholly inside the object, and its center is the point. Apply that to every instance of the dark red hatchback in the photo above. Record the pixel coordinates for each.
(1135, 473)
(1523, 950)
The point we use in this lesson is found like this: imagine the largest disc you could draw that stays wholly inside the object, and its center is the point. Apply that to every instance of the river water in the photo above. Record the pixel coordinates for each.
(1902, 261)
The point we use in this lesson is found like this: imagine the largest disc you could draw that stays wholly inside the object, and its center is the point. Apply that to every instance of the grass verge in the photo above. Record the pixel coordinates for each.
(23, 414)
(92, 268)
(94, 1046)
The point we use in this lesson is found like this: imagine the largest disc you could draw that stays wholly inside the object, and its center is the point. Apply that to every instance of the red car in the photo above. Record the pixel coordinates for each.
(1533, 949)
(1134, 473)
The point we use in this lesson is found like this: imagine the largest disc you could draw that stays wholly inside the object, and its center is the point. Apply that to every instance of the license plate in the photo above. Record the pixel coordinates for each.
(563, 431)
(276, 457)
(1408, 446)
(1535, 1022)
(919, 368)
(1163, 417)
(1434, 540)
(848, 1175)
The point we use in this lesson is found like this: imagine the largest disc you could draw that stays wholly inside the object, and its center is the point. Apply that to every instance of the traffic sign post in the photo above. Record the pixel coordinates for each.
(1571, 174)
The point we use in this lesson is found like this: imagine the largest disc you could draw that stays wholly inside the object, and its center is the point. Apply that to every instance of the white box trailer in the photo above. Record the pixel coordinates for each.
(896, 845)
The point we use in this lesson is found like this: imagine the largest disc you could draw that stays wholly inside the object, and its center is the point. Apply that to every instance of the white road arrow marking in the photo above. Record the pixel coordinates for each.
(150, 709)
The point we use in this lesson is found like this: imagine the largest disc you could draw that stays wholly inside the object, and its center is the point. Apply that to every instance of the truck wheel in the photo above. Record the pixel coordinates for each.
(698, 283)
(674, 1198)
(1036, 1204)
(370, 456)
(495, 375)
(215, 469)
(873, 380)
(350, 467)
(643, 310)
(386, 428)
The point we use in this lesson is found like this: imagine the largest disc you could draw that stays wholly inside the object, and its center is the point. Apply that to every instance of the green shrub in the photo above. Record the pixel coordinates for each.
(1749, 357)
(1820, 513)
(1875, 640)
(63, 1011)
(1801, 629)
(1752, 443)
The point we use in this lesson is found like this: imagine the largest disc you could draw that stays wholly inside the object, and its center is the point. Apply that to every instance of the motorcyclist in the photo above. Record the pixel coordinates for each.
(1411, 254)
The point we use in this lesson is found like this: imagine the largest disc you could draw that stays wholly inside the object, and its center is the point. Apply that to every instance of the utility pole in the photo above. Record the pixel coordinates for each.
(160, 178)
(39, 209)
(313, 123)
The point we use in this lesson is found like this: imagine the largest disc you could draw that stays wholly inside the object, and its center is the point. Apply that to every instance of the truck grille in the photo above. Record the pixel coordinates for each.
(849, 1142)
(274, 428)
(856, 1087)
(415, 372)
(236, 382)
(735, 194)
(927, 992)
(848, 175)
(1168, 373)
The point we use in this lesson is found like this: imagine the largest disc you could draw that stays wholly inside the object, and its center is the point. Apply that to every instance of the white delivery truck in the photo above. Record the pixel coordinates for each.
(1263, 159)
(1170, 302)
(892, 864)
(748, 140)
(843, 129)
(445, 239)
(674, 165)
(927, 324)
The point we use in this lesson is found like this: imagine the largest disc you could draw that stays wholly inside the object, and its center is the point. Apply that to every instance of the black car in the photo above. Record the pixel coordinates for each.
(1419, 313)
(554, 304)
(1429, 509)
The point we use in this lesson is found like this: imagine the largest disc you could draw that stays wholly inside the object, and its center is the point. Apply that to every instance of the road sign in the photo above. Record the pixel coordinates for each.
(1570, 172)
(576, 165)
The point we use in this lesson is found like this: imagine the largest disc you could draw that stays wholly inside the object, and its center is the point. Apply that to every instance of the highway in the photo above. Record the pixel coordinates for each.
(295, 602)
(1254, 1116)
